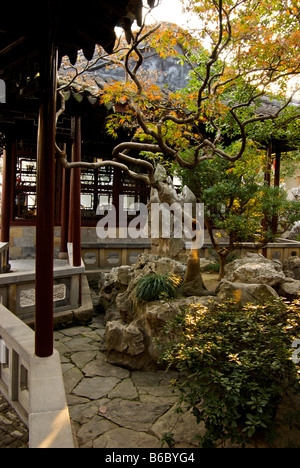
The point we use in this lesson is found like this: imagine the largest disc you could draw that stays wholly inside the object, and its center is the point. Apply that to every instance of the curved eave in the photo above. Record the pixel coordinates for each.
(76, 28)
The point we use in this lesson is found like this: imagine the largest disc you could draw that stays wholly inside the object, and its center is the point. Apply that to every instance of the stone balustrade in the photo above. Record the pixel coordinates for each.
(33, 386)
(17, 290)
(4, 265)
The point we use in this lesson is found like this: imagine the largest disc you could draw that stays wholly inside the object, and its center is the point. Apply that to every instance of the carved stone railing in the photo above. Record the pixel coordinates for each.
(4, 265)
(33, 386)
(17, 291)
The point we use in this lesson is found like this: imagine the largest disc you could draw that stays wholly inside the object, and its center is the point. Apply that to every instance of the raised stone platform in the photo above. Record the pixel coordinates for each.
(72, 301)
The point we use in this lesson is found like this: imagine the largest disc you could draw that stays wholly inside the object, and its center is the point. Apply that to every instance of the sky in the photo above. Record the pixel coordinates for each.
(171, 11)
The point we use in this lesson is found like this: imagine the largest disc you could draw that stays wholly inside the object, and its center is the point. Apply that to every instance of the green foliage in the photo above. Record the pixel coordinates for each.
(236, 200)
(168, 439)
(237, 361)
(153, 287)
(290, 162)
(274, 202)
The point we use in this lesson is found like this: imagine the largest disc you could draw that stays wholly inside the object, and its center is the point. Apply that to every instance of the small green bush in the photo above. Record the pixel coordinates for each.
(154, 286)
(236, 361)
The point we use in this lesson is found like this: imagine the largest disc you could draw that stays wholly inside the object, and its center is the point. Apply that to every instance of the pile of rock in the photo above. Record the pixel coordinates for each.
(134, 328)
(294, 233)
(256, 279)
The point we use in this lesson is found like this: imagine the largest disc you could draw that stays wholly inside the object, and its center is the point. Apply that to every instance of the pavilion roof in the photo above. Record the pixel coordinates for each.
(77, 26)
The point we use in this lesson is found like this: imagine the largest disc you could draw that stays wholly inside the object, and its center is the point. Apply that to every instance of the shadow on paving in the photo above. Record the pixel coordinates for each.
(112, 407)
(13, 432)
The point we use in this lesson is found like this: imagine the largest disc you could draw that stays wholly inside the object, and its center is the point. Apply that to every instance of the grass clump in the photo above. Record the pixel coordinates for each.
(154, 286)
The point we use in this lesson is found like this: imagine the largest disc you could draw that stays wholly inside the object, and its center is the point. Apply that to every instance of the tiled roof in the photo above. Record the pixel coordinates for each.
(24, 27)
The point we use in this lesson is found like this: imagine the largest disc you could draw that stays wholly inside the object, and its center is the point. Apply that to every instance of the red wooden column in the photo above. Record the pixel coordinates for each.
(75, 195)
(276, 184)
(45, 201)
(7, 172)
(64, 212)
(267, 181)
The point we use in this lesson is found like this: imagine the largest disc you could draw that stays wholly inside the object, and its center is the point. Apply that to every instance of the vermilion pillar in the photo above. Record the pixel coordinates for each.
(45, 201)
(75, 195)
(64, 211)
(267, 181)
(7, 171)
(276, 184)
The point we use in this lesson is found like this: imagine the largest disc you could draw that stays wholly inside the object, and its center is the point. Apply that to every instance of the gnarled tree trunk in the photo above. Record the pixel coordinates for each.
(165, 196)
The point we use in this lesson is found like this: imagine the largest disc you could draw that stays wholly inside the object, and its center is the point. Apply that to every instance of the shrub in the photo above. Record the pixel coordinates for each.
(154, 286)
(237, 362)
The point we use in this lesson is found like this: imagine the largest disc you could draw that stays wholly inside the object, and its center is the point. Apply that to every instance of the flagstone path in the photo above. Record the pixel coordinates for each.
(112, 407)
(13, 432)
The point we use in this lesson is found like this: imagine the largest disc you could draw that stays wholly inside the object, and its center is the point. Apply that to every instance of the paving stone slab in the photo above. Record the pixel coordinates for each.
(147, 379)
(134, 414)
(126, 438)
(173, 423)
(81, 358)
(95, 387)
(81, 344)
(83, 412)
(100, 367)
(125, 389)
(159, 391)
(71, 378)
(73, 331)
(13, 432)
(93, 429)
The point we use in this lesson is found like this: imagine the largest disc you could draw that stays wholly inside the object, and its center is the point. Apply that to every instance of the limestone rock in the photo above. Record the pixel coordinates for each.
(295, 231)
(160, 173)
(290, 290)
(124, 338)
(291, 267)
(243, 293)
(125, 307)
(157, 314)
(133, 326)
(124, 274)
(110, 286)
(255, 269)
(205, 263)
(147, 263)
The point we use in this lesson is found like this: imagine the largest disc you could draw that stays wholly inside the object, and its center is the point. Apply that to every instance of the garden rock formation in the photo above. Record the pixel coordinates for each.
(256, 279)
(135, 328)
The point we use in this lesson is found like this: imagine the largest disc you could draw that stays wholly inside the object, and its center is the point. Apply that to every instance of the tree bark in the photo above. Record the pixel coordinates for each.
(193, 284)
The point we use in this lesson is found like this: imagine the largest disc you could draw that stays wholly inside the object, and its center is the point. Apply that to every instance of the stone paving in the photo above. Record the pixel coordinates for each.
(13, 432)
(111, 407)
